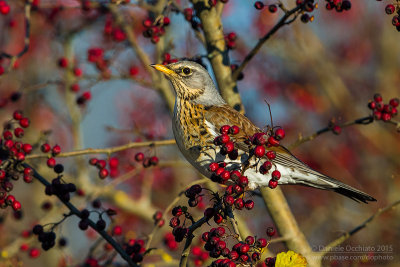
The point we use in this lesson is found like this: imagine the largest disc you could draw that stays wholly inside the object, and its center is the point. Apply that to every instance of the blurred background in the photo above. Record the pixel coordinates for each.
(309, 73)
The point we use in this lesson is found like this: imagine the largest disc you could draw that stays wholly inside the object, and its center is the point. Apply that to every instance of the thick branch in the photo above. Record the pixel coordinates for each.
(283, 21)
(286, 223)
(217, 52)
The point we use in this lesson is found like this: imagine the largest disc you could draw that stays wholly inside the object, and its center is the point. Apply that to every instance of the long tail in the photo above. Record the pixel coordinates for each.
(327, 183)
(301, 173)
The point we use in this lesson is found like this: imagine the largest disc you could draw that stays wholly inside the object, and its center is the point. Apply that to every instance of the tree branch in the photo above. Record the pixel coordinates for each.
(92, 224)
(107, 151)
(217, 52)
(301, 140)
(350, 233)
(282, 22)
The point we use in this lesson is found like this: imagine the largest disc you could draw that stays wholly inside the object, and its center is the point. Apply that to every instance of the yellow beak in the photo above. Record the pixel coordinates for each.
(163, 69)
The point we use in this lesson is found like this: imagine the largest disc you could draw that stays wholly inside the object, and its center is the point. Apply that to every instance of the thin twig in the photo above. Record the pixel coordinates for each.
(282, 22)
(27, 35)
(350, 233)
(107, 151)
(92, 224)
(301, 140)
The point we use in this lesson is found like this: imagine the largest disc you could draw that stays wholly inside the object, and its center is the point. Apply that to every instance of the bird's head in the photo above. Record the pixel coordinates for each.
(191, 82)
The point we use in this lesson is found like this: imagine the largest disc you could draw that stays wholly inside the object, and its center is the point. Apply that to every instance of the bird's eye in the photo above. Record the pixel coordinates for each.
(186, 71)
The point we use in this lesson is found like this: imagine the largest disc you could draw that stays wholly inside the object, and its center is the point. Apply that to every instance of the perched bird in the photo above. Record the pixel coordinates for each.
(200, 112)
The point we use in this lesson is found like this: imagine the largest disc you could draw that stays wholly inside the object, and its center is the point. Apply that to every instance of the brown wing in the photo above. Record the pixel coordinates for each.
(218, 116)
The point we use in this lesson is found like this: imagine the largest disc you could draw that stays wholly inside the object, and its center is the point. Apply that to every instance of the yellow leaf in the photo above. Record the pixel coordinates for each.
(290, 259)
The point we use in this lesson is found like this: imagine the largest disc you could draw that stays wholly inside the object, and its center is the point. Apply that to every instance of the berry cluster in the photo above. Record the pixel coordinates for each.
(155, 29)
(12, 153)
(260, 6)
(101, 165)
(84, 222)
(115, 32)
(384, 112)
(52, 152)
(260, 146)
(135, 249)
(146, 161)
(158, 219)
(200, 256)
(191, 17)
(391, 9)
(338, 5)
(4, 7)
(214, 2)
(82, 99)
(169, 241)
(58, 187)
(179, 232)
(168, 59)
(242, 253)
(46, 238)
(307, 6)
(230, 40)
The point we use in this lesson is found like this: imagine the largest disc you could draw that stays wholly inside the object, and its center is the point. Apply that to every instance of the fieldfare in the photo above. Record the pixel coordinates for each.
(199, 114)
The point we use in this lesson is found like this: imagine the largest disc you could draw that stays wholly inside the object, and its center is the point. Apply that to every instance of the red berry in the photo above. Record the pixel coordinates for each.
(229, 147)
(272, 8)
(4, 9)
(8, 135)
(218, 218)
(75, 87)
(377, 115)
(213, 166)
(45, 148)
(386, 117)
(225, 129)
(244, 248)
(139, 156)
(259, 151)
(10, 199)
(394, 102)
(103, 173)
(9, 144)
(224, 138)
(2, 175)
(336, 129)
(34, 253)
(259, 5)
(276, 175)
(113, 163)
(27, 148)
(378, 98)
(24, 122)
(372, 105)
(272, 141)
(133, 71)
(234, 129)
(20, 156)
(17, 115)
(394, 112)
(271, 155)
(239, 203)
(77, 72)
(272, 184)
(63, 62)
(249, 204)
(225, 175)
(56, 150)
(279, 134)
(261, 243)
(229, 200)
(16, 205)
(166, 21)
(117, 230)
(28, 179)
(243, 181)
(233, 255)
(19, 132)
(390, 9)
(51, 162)
(270, 231)
(219, 171)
